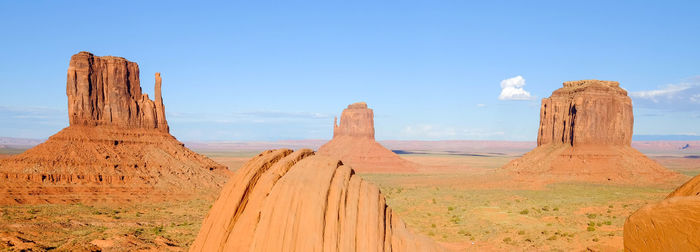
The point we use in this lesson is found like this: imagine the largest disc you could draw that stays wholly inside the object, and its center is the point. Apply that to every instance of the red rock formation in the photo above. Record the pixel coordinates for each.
(295, 201)
(670, 225)
(107, 91)
(587, 112)
(353, 141)
(116, 149)
(356, 121)
(585, 134)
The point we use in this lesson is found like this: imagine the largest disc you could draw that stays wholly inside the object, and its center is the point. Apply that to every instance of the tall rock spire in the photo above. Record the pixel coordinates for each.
(160, 108)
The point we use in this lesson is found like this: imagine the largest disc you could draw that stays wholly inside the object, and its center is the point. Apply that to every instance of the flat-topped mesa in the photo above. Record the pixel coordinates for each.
(356, 121)
(107, 91)
(586, 112)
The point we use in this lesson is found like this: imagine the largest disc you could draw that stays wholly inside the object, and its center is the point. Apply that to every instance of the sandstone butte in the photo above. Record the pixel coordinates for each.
(585, 134)
(282, 200)
(353, 142)
(670, 225)
(117, 147)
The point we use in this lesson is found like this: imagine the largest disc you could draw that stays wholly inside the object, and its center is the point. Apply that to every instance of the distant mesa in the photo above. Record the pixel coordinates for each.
(353, 142)
(585, 134)
(357, 121)
(670, 225)
(282, 200)
(117, 148)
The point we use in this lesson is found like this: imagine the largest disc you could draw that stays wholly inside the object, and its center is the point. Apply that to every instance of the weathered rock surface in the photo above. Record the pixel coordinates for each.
(353, 142)
(107, 91)
(356, 121)
(587, 112)
(297, 201)
(670, 225)
(117, 148)
(585, 134)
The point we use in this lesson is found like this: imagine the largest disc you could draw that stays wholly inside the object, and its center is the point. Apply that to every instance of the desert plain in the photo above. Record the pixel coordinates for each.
(455, 197)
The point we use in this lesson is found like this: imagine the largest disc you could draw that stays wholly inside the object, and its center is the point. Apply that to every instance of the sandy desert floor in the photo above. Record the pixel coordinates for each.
(454, 199)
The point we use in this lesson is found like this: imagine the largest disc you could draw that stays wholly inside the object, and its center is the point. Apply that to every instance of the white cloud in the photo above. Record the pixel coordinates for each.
(481, 105)
(695, 98)
(681, 96)
(667, 92)
(512, 89)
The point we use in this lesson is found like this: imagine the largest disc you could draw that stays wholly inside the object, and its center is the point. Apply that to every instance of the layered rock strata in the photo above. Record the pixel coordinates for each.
(297, 201)
(353, 142)
(585, 134)
(116, 149)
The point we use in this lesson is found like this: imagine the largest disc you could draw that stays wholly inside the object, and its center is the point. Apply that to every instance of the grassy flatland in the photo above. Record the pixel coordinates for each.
(440, 204)
(559, 217)
(129, 227)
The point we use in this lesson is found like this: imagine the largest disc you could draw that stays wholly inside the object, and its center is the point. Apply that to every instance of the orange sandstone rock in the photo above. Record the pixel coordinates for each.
(353, 142)
(585, 134)
(587, 112)
(670, 225)
(297, 201)
(107, 91)
(116, 149)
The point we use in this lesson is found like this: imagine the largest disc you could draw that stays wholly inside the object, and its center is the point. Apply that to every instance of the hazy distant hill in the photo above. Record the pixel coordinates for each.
(19, 143)
(401, 146)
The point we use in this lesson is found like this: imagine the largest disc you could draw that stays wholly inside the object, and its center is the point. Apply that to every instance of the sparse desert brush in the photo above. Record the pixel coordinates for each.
(464, 232)
(525, 211)
(507, 240)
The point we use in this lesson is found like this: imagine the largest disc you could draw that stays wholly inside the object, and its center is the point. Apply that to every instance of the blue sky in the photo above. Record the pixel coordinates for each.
(273, 70)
